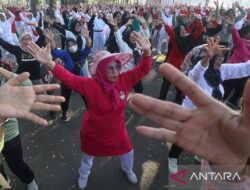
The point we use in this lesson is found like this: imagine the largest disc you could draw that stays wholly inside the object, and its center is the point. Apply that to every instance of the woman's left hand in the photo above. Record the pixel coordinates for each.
(142, 40)
(85, 33)
(42, 55)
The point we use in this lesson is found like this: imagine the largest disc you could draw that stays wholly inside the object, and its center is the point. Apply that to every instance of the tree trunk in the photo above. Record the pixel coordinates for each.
(33, 5)
(52, 7)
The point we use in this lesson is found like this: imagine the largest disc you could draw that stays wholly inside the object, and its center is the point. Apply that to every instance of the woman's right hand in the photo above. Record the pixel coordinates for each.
(213, 47)
(113, 22)
(143, 42)
(48, 34)
(42, 55)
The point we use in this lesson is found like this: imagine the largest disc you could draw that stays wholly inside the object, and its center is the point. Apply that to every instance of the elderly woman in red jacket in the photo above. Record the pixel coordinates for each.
(103, 131)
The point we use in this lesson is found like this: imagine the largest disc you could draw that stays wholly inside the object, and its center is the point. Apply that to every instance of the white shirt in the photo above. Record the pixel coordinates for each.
(228, 71)
(99, 24)
(5, 28)
(58, 16)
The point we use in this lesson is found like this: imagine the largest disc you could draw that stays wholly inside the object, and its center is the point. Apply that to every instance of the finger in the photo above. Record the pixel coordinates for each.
(39, 106)
(18, 79)
(224, 49)
(217, 40)
(187, 86)
(33, 46)
(49, 98)
(45, 87)
(211, 40)
(35, 118)
(246, 102)
(208, 43)
(162, 108)
(48, 48)
(157, 133)
(32, 49)
(138, 35)
(159, 119)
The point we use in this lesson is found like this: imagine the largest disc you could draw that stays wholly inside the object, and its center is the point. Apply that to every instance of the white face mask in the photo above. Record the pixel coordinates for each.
(73, 49)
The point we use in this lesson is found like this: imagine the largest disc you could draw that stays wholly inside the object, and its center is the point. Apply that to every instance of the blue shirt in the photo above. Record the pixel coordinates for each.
(68, 61)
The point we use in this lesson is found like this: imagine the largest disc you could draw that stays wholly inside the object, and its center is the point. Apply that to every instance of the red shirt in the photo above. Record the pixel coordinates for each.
(175, 56)
(103, 131)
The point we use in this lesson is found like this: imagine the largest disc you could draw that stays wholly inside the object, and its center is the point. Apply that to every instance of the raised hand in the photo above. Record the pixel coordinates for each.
(85, 33)
(141, 40)
(19, 101)
(129, 22)
(141, 20)
(113, 22)
(212, 131)
(42, 55)
(213, 48)
(48, 20)
(216, 3)
(48, 34)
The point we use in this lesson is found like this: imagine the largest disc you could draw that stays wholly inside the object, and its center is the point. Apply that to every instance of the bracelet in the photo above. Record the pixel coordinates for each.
(4, 122)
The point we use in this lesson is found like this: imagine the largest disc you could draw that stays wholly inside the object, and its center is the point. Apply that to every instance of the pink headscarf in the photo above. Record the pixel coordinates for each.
(111, 88)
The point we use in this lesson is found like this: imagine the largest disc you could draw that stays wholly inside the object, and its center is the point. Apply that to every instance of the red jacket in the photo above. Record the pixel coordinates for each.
(103, 131)
(175, 56)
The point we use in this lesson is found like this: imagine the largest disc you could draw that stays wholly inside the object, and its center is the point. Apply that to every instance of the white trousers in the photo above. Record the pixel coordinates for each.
(127, 161)
(98, 42)
(85, 69)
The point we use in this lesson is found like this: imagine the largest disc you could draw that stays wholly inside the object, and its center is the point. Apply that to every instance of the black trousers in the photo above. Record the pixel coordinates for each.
(138, 88)
(234, 84)
(175, 151)
(13, 155)
(227, 54)
(66, 93)
(164, 91)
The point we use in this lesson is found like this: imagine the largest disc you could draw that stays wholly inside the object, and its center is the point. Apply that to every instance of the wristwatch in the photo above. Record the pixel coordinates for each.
(4, 122)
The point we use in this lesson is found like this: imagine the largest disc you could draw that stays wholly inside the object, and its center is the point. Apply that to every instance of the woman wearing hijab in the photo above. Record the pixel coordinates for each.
(111, 43)
(181, 41)
(127, 44)
(74, 61)
(74, 32)
(103, 131)
(26, 62)
(209, 73)
(5, 30)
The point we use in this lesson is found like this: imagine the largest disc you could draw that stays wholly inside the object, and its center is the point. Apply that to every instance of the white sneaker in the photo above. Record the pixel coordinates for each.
(32, 186)
(82, 182)
(131, 177)
(172, 165)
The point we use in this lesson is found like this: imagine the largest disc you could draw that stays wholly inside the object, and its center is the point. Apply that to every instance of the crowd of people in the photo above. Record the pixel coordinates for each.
(105, 51)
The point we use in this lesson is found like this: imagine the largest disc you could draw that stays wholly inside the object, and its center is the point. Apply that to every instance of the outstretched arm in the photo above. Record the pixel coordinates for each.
(74, 82)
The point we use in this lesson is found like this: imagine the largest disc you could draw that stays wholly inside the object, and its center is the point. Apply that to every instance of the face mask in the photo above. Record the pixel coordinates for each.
(73, 49)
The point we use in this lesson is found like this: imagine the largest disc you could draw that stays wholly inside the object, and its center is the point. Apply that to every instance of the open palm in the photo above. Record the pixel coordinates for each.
(18, 101)
(142, 40)
(42, 55)
(212, 131)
